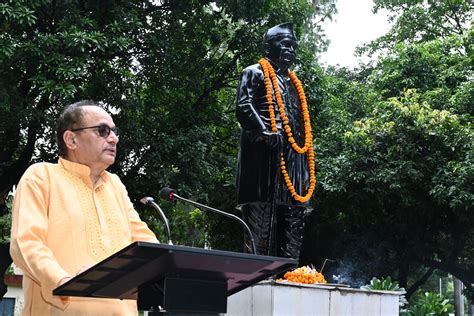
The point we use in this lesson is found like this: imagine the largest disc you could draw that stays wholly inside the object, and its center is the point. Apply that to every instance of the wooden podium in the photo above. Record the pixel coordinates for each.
(174, 279)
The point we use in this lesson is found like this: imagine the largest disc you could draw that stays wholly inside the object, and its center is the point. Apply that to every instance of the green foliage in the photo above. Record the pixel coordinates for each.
(10, 271)
(429, 303)
(417, 21)
(387, 284)
(52, 53)
(5, 221)
(383, 284)
(190, 227)
(394, 143)
(440, 69)
(379, 184)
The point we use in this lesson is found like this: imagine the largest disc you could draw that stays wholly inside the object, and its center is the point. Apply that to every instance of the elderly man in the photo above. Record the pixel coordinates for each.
(276, 159)
(70, 215)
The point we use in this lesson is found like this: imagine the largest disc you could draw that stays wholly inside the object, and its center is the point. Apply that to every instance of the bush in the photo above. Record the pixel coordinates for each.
(430, 303)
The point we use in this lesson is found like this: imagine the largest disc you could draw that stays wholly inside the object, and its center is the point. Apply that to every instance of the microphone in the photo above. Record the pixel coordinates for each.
(169, 194)
(149, 201)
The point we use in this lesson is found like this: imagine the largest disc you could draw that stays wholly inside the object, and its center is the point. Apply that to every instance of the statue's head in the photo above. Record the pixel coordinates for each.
(279, 44)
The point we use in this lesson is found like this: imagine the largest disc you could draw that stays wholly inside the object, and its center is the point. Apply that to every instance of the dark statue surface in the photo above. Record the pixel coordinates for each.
(275, 218)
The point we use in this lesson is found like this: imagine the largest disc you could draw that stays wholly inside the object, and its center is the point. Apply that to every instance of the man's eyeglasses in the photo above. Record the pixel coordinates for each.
(102, 129)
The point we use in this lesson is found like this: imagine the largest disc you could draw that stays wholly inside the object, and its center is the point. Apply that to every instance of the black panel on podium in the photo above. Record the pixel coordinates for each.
(177, 279)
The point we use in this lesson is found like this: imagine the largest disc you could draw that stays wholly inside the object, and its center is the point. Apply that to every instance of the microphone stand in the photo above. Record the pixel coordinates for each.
(149, 201)
(254, 249)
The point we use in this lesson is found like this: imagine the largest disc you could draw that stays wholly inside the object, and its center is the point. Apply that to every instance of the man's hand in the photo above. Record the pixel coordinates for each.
(273, 140)
(61, 282)
(82, 269)
(65, 279)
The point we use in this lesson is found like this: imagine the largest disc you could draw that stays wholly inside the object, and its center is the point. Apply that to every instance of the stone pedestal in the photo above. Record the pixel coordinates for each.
(283, 298)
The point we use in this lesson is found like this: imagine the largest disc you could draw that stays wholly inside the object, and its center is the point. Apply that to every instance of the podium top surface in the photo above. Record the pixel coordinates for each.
(143, 263)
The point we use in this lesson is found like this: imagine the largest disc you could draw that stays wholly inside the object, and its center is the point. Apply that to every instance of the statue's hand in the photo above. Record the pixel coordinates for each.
(273, 140)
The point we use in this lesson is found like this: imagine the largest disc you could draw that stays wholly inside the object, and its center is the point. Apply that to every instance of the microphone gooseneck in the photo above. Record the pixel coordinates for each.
(151, 202)
(169, 194)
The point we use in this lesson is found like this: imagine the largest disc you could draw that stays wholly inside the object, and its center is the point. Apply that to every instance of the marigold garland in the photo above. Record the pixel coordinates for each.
(305, 275)
(271, 79)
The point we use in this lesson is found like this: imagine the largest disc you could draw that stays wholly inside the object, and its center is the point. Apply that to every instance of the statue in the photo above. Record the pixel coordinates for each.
(276, 160)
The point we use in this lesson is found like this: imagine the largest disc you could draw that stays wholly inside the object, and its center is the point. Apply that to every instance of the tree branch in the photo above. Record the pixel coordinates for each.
(14, 172)
(466, 276)
(412, 289)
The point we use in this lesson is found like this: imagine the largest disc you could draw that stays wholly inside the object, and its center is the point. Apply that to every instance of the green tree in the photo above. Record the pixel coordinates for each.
(441, 70)
(419, 21)
(379, 191)
(394, 145)
(51, 53)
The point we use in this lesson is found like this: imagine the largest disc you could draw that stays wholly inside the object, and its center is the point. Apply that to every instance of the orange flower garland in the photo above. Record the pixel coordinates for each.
(305, 275)
(270, 78)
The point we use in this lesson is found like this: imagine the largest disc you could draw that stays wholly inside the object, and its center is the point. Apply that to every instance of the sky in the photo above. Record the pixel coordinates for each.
(354, 24)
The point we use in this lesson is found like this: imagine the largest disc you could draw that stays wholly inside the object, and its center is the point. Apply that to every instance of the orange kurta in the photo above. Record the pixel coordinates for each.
(63, 223)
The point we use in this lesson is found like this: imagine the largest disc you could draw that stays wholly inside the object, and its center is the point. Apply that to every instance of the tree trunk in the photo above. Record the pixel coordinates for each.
(458, 297)
(471, 309)
(5, 262)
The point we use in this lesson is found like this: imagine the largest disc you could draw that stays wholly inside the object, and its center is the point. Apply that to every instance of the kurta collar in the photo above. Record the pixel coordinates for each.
(80, 170)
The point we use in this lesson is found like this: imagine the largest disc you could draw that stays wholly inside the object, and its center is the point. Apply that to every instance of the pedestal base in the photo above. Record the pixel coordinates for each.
(282, 298)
